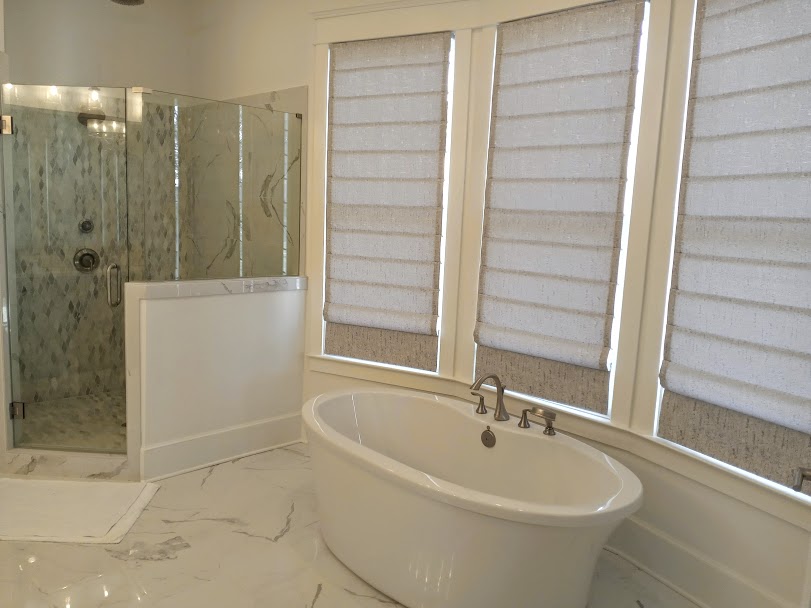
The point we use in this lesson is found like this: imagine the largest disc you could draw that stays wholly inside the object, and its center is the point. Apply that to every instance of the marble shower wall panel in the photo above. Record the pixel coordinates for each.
(68, 341)
(214, 192)
(295, 196)
(292, 101)
(272, 191)
(213, 230)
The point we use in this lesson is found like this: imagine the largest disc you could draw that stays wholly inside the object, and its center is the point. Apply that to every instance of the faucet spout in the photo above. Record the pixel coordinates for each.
(501, 413)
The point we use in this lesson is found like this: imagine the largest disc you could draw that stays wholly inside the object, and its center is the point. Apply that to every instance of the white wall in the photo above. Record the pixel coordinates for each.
(208, 48)
(2, 26)
(245, 47)
(211, 377)
(97, 42)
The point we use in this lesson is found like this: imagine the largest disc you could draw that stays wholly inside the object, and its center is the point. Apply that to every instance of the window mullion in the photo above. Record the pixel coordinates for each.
(642, 207)
(477, 123)
(455, 184)
(314, 245)
(662, 218)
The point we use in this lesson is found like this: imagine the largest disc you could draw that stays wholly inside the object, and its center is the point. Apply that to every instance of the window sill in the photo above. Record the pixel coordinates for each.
(777, 500)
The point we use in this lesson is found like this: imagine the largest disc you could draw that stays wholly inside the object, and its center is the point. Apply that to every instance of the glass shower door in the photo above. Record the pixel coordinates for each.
(66, 256)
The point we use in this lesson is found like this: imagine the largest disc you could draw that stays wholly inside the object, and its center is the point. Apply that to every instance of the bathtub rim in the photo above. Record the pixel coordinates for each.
(626, 501)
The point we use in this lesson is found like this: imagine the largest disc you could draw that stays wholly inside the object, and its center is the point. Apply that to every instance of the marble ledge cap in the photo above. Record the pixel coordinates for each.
(212, 287)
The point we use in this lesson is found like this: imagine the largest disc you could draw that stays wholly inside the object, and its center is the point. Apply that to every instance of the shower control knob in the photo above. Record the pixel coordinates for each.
(86, 226)
(86, 260)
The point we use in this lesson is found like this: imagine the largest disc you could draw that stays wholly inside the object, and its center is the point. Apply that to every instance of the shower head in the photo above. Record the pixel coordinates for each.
(86, 118)
(129, 2)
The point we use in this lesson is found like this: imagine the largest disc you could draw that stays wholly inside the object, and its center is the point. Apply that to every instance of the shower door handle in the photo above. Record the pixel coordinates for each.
(111, 300)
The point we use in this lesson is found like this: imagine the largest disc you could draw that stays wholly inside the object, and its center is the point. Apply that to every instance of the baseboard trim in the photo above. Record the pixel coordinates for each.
(666, 582)
(191, 453)
(713, 584)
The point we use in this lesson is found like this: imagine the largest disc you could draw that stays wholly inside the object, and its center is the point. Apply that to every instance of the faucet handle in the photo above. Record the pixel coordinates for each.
(549, 419)
(542, 413)
(481, 409)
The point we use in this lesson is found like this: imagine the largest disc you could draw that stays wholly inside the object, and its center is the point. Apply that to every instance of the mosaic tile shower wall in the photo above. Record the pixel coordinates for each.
(154, 200)
(67, 341)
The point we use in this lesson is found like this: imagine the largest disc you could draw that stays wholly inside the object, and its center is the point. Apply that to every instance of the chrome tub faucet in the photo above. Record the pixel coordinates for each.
(548, 418)
(481, 409)
(501, 413)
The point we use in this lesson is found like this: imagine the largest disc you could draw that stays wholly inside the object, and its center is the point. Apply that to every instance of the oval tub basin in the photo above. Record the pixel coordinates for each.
(413, 502)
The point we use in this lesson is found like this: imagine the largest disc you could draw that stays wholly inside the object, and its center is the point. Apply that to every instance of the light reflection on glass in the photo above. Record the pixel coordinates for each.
(241, 195)
(176, 133)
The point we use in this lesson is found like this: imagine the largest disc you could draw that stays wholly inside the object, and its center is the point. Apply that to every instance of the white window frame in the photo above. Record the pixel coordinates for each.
(636, 390)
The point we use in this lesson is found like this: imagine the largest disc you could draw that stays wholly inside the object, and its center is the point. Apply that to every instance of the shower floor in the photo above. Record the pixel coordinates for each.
(88, 423)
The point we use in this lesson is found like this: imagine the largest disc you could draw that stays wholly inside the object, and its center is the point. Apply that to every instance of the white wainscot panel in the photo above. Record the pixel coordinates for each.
(216, 368)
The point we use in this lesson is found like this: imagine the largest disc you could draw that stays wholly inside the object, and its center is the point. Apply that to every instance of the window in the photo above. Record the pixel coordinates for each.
(563, 109)
(737, 357)
(387, 133)
(543, 168)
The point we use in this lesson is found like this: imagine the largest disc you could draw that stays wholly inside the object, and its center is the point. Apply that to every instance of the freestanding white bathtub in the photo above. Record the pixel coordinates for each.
(413, 502)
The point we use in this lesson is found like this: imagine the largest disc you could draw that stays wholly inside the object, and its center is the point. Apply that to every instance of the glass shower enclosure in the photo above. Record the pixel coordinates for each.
(104, 186)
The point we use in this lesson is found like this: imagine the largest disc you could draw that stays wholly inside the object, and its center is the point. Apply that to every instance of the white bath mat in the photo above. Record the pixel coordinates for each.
(70, 511)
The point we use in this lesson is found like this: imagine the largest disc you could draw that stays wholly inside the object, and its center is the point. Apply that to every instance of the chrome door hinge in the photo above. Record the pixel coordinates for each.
(6, 125)
(16, 410)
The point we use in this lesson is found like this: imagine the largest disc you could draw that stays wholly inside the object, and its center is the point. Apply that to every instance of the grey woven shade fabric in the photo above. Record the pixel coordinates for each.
(387, 128)
(763, 448)
(563, 104)
(739, 325)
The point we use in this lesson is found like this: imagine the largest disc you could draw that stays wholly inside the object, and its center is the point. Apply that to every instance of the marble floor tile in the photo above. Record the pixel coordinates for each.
(71, 465)
(241, 534)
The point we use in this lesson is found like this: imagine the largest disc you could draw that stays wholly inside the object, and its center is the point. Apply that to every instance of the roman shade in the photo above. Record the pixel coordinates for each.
(738, 342)
(563, 104)
(387, 128)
